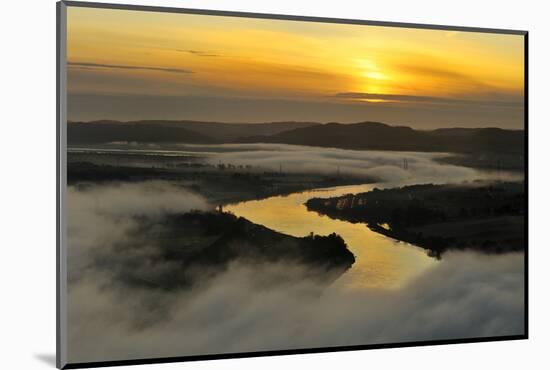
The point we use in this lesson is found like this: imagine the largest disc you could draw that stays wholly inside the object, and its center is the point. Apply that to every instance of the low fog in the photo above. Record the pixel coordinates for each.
(386, 166)
(382, 166)
(465, 295)
(101, 217)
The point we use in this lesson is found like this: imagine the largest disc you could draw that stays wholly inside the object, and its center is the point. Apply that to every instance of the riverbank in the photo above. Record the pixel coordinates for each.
(220, 185)
(188, 249)
(199, 245)
(483, 217)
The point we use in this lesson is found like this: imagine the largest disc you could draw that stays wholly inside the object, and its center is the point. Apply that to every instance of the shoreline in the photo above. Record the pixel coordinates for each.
(437, 218)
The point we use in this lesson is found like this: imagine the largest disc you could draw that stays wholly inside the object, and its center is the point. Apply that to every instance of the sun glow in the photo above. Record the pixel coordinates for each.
(375, 100)
(121, 52)
(373, 87)
(371, 70)
(375, 75)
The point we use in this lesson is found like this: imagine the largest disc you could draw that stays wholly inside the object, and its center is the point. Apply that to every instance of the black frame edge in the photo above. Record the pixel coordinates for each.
(225, 356)
(526, 179)
(60, 147)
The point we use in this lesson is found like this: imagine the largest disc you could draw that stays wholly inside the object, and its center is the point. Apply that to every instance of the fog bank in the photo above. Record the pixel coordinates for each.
(385, 166)
(466, 295)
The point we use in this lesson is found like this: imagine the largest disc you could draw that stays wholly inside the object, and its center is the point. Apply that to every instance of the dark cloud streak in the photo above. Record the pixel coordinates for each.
(119, 66)
(427, 99)
(198, 53)
(433, 71)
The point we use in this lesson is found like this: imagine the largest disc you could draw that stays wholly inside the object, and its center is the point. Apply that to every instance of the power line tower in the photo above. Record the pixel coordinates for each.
(405, 164)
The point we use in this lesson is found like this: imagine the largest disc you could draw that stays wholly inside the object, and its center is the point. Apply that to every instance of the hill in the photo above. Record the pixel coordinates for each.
(181, 250)
(228, 132)
(474, 147)
(379, 136)
(107, 132)
(487, 218)
(172, 131)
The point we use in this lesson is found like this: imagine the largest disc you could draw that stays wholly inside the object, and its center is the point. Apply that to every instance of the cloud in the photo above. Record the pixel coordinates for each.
(466, 295)
(428, 99)
(147, 198)
(433, 71)
(118, 66)
(386, 166)
(102, 216)
(198, 53)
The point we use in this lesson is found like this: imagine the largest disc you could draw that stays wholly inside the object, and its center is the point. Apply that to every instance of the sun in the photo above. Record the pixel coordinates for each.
(375, 75)
(371, 78)
(374, 100)
(371, 69)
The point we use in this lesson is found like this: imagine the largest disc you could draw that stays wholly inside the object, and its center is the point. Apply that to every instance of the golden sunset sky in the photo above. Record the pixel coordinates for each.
(181, 66)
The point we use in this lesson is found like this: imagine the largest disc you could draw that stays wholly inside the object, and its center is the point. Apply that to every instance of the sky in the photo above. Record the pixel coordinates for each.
(132, 65)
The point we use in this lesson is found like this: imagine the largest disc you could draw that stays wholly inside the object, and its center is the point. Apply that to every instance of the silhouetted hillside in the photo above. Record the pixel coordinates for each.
(488, 218)
(191, 247)
(362, 136)
(228, 132)
(106, 132)
(379, 136)
(173, 131)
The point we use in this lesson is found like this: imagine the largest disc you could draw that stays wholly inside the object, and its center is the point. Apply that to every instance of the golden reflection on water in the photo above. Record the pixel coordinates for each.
(380, 262)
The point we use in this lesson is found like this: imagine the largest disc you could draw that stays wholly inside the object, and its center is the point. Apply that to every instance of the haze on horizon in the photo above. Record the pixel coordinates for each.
(135, 65)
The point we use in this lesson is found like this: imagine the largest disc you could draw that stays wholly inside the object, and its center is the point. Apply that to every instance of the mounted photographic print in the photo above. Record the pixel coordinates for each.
(235, 184)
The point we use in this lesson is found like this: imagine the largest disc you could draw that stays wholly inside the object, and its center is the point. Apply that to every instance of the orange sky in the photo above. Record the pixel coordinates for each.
(133, 53)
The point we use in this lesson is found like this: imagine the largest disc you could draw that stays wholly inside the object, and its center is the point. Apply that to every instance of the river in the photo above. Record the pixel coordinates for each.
(381, 262)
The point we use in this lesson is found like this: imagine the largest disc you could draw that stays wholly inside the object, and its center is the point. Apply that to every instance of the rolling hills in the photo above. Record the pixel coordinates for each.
(193, 132)
(379, 136)
(358, 136)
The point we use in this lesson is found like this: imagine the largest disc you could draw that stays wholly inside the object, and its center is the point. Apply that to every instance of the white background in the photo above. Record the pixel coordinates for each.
(27, 207)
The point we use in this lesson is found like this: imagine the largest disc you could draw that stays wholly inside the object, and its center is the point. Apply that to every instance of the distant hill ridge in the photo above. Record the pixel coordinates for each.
(107, 132)
(380, 136)
(362, 136)
(211, 131)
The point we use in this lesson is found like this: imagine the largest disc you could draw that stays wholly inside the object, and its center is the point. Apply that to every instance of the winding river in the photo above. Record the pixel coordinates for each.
(381, 262)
